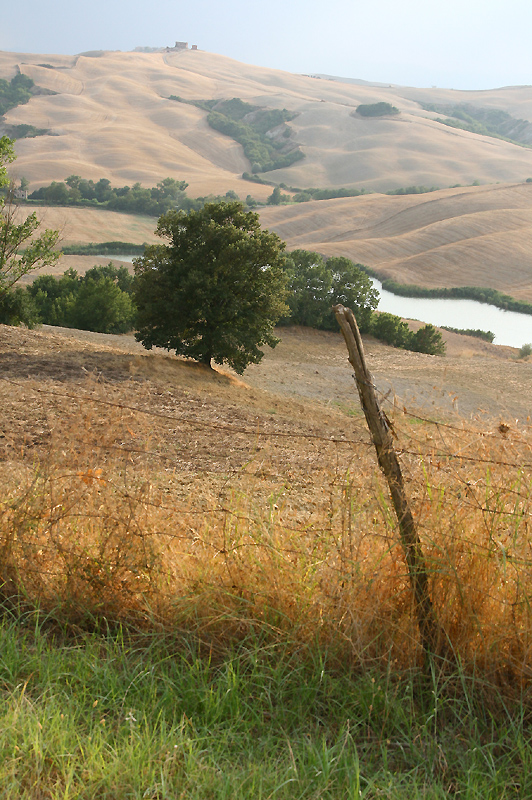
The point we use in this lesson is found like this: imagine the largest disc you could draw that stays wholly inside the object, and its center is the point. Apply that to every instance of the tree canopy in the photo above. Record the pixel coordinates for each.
(216, 290)
(316, 284)
(22, 249)
(98, 301)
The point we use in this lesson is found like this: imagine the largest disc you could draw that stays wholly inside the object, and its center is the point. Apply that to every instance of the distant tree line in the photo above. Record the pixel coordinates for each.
(171, 194)
(104, 249)
(476, 333)
(481, 294)
(413, 190)
(305, 195)
(168, 194)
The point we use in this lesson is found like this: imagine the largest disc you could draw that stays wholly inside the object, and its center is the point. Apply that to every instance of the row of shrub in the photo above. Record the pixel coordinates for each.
(305, 195)
(168, 194)
(487, 336)
(101, 301)
(104, 249)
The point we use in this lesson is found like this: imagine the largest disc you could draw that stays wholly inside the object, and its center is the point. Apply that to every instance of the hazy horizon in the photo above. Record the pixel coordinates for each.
(464, 45)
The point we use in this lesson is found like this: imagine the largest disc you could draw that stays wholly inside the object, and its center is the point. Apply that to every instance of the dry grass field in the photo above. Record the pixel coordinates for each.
(133, 478)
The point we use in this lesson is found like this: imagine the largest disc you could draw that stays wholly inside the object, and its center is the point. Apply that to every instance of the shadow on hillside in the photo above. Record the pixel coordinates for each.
(73, 365)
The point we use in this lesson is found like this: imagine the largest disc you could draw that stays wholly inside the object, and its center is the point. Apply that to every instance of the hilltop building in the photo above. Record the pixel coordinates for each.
(180, 46)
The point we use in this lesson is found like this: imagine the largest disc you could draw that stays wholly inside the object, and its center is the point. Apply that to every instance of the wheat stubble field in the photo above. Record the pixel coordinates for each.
(110, 117)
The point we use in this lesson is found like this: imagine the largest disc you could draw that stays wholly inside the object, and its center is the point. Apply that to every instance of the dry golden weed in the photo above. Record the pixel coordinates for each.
(108, 521)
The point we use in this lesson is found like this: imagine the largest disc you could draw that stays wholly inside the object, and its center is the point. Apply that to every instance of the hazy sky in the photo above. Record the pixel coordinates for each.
(460, 44)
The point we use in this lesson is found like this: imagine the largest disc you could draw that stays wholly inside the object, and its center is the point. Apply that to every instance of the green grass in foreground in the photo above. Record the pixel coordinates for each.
(102, 716)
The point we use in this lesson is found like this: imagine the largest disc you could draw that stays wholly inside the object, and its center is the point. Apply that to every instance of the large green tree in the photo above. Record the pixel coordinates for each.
(22, 248)
(216, 290)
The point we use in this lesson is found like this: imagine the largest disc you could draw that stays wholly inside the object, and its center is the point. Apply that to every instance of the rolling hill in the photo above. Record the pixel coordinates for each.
(476, 236)
(109, 115)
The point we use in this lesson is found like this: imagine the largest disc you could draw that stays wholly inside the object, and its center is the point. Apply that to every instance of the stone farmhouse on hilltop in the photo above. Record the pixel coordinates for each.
(180, 46)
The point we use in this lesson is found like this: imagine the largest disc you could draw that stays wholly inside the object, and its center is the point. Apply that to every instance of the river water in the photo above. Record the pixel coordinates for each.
(509, 327)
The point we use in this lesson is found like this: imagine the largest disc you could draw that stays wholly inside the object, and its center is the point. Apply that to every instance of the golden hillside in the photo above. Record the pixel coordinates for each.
(111, 117)
(476, 236)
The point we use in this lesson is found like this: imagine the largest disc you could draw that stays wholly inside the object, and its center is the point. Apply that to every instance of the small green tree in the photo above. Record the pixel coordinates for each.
(315, 285)
(427, 340)
(277, 197)
(100, 305)
(391, 329)
(352, 288)
(22, 249)
(216, 290)
(58, 194)
(310, 289)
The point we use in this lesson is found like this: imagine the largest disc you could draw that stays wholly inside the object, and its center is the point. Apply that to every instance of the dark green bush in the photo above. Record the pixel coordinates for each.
(376, 109)
(316, 284)
(427, 340)
(391, 329)
(18, 308)
(98, 301)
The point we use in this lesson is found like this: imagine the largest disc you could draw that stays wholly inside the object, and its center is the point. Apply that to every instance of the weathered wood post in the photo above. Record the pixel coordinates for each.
(432, 637)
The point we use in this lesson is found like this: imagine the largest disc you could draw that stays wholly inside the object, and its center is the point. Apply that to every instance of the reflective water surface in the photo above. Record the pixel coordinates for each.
(509, 327)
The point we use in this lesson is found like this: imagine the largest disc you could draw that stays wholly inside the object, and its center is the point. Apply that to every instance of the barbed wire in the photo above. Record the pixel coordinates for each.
(293, 434)
(422, 452)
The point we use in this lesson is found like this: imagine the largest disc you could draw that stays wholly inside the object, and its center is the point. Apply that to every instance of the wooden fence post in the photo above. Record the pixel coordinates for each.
(432, 637)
